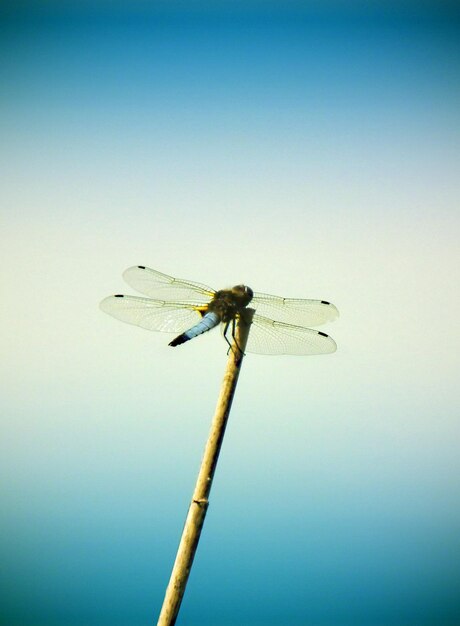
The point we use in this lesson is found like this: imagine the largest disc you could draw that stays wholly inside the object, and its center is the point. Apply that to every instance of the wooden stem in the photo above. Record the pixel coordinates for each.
(199, 504)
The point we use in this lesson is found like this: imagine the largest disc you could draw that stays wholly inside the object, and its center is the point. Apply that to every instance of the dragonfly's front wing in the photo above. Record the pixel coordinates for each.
(170, 317)
(161, 286)
(267, 336)
(293, 310)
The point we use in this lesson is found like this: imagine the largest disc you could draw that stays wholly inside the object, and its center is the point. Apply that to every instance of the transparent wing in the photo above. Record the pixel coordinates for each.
(169, 317)
(269, 337)
(158, 285)
(294, 311)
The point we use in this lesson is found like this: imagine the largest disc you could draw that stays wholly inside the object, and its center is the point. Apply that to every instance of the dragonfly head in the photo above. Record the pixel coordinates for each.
(243, 293)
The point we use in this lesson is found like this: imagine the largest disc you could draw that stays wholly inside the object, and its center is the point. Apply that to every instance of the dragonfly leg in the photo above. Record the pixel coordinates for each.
(225, 336)
(234, 336)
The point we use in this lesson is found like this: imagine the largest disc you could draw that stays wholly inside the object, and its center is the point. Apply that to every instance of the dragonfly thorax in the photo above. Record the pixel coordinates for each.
(228, 302)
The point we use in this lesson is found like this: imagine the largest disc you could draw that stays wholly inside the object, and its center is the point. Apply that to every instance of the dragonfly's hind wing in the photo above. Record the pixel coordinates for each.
(294, 311)
(267, 336)
(158, 285)
(169, 317)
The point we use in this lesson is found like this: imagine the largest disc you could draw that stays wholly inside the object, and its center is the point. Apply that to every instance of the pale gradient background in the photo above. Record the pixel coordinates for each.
(301, 148)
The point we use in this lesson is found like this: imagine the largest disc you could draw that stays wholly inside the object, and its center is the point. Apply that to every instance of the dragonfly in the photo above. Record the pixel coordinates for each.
(279, 325)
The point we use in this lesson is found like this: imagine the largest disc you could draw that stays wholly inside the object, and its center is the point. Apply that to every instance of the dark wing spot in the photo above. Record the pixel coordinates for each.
(141, 267)
(325, 302)
(322, 334)
(118, 296)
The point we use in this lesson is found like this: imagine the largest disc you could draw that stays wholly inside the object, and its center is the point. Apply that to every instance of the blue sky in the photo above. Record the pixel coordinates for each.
(307, 150)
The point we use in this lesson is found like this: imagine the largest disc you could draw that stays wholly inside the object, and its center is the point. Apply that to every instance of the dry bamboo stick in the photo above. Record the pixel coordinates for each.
(199, 503)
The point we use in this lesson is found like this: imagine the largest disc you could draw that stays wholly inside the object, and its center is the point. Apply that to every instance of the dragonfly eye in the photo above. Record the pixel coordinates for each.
(242, 288)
